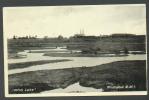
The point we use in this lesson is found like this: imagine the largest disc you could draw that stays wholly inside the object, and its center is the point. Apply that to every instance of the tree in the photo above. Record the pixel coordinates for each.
(14, 37)
(60, 37)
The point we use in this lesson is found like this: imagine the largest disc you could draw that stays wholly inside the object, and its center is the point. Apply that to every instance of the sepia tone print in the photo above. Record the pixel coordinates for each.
(75, 49)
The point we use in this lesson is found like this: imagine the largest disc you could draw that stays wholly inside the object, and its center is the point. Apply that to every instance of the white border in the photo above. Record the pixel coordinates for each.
(63, 94)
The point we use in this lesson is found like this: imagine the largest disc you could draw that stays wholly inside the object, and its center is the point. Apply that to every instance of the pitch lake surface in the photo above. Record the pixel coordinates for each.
(75, 62)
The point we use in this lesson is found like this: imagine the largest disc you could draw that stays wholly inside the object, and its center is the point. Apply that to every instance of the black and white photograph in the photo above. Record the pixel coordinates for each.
(75, 50)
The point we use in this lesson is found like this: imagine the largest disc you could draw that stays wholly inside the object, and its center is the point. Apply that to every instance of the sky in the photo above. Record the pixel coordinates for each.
(53, 21)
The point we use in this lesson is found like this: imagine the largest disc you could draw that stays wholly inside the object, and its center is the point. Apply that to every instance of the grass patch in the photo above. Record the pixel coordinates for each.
(81, 55)
(120, 73)
(33, 63)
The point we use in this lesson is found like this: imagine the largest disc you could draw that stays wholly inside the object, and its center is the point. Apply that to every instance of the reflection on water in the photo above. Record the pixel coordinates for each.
(73, 89)
(76, 61)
